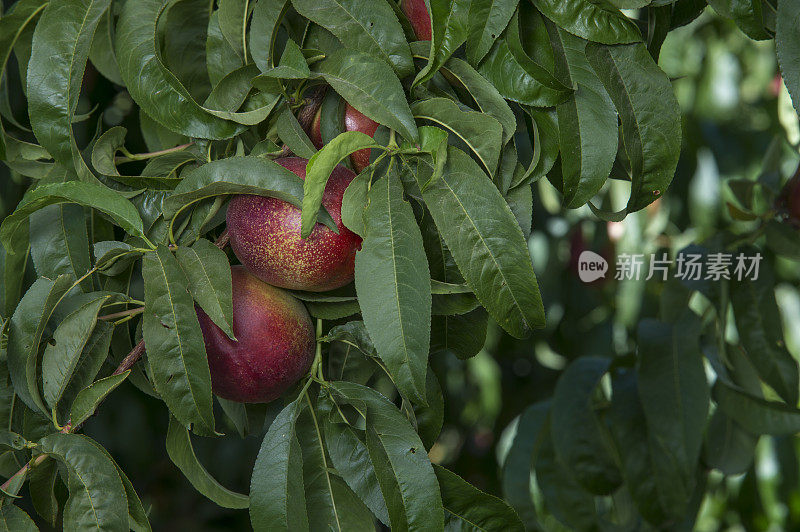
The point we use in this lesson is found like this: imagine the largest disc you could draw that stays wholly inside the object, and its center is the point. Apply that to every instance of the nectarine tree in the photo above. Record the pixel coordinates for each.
(324, 205)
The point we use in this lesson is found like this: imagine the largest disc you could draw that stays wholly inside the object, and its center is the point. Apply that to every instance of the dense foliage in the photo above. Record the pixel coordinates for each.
(128, 125)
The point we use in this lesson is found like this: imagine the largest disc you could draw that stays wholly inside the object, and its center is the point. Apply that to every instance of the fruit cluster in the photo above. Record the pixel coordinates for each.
(274, 345)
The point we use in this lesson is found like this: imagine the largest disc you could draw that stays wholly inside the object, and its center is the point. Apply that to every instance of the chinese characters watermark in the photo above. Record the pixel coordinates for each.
(690, 267)
(686, 266)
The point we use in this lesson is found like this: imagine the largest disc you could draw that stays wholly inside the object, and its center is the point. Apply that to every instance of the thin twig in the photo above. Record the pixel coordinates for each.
(130, 157)
(122, 314)
(133, 357)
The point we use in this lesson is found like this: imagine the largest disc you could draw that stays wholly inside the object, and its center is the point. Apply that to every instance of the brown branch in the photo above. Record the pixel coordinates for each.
(131, 359)
(223, 239)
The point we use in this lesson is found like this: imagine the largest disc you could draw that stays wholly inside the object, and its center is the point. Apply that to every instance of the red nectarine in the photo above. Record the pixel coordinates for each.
(265, 236)
(274, 344)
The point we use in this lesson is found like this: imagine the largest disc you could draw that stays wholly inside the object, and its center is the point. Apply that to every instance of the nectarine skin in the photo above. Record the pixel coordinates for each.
(420, 20)
(265, 236)
(357, 121)
(274, 344)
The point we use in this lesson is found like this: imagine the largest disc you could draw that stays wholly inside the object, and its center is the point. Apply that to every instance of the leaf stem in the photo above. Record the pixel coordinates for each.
(130, 313)
(129, 157)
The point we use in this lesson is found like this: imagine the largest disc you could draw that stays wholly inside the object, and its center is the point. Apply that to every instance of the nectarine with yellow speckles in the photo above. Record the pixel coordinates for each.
(265, 236)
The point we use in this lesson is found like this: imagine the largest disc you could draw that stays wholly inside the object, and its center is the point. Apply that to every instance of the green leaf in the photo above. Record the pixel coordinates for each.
(11, 440)
(518, 77)
(209, 273)
(64, 31)
(650, 116)
(351, 460)
(232, 92)
(16, 480)
(755, 414)
(104, 161)
(13, 23)
(60, 243)
(782, 239)
(354, 203)
(156, 136)
(331, 504)
(331, 116)
(293, 64)
(487, 20)
(12, 519)
(176, 353)
(25, 331)
(137, 517)
(485, 239)
(42, 489)
(221, 58)
(594, 20)
(94, 354)
(13, 263)
(183, 49)
(747, 14)
(363, 25)
(562, 495)
(584, 122)
(520, 201)
(449, 30)
(181, 452)
(516, 473)
(464, 335)
(674, 395)
(353, 333)
(787, 44)
(291, 133)
(729, 448)
(429, 419)
(238, 175)
(640, 452)
(88, 399)
(480, 131)
(488, 98)
(578, 433)
(97, 498)
(101, 53)
(264, 26)
(391, 275)
(761, 333)
(61, 358)
(543, 132)
(369, 85)
(319, 169)
(468, 508)
(233, 23)
(152, 85)
(401, 465)
(95, 196)
(277, 498)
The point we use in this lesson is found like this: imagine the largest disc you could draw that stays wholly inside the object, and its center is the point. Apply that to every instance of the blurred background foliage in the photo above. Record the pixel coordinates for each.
(738, 119)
